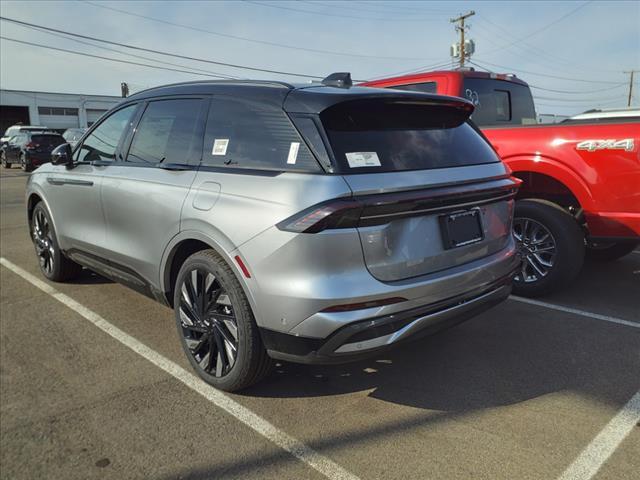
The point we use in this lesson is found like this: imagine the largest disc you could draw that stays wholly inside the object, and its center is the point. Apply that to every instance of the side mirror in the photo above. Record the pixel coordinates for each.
(61, 155)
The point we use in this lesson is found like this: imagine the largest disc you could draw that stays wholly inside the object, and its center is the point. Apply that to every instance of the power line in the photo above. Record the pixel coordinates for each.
(413, 70)
(216, 74)
(534, 54)
(549, 25)
(527, 46)
(159, 52)
(333, 4)
(541, 74)
(325, 14)
(408, 9)
(245, 39)
(106, 58)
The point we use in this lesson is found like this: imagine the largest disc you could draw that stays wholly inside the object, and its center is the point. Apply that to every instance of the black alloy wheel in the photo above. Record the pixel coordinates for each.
(53, 263)
(208, 322)
(216, 325)
(44, 242)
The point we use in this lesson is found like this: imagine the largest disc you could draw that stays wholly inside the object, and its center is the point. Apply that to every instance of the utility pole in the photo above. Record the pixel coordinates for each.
(631, 72)
(460, 28)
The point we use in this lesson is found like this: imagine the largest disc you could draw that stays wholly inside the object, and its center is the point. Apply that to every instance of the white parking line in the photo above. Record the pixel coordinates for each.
(605, 443)
(296, 448)
(560, 308)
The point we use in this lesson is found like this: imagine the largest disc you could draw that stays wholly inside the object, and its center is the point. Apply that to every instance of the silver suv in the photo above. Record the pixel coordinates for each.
(314, 224)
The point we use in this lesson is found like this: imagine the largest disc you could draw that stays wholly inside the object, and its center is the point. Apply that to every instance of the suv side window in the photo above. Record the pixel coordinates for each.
(102, 143)
(247, 134)
(166, 132)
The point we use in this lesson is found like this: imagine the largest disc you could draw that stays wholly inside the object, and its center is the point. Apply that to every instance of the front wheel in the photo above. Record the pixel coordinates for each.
(53, 263)
(551, 245)
(608, 252)
(216, 326)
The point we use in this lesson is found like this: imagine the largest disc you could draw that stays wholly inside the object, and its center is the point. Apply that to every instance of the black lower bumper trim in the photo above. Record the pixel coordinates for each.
(283, 346)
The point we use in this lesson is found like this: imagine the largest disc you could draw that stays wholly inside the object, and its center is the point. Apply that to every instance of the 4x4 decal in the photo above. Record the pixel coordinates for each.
(611, 144)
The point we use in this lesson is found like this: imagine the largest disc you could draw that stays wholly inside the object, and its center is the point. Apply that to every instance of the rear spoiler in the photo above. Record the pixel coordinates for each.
(317, 99)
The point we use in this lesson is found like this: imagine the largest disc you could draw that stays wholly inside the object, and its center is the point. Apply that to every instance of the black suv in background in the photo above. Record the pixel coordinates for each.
(30, 149)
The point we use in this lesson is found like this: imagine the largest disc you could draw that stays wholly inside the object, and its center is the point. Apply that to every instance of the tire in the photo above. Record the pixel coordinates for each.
(608, 252)
(5, 164)
(551, 244)
(215, 322)
(25, 164)
(53, 263)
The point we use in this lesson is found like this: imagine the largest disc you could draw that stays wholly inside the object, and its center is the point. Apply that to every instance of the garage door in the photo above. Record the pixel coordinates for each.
(93, 115)
(59, 118)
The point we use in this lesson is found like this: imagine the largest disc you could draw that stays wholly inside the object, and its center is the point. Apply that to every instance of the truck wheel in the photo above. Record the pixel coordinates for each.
(551, 245)
(607, 252)
(216, 326)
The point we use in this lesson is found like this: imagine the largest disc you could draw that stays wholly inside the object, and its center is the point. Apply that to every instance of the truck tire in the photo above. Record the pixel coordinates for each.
(610, 251)
(551, 244)
(216, 326)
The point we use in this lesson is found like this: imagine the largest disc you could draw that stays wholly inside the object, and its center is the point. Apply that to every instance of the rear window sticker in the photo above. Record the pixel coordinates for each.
(363, 159)
(220, 146)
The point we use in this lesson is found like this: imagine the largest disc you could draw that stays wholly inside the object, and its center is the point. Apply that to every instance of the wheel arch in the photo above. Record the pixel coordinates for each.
(187, 243)
(547, 178)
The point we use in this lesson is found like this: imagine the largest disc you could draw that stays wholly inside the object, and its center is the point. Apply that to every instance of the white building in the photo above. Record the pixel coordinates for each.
(53, 110)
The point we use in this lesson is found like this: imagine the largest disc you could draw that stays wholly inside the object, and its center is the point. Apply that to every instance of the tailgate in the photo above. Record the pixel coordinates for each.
(433, 192)
(405, 234)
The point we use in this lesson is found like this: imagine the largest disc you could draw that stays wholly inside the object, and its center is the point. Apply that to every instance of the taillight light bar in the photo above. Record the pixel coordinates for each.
(379, 209)
(339, 213)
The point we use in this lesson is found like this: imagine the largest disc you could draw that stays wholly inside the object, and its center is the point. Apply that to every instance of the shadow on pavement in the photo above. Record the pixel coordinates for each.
(510, 354)
(87, 277)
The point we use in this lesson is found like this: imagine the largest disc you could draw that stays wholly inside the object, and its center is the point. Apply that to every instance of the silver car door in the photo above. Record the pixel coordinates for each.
(143, 194)
(74, 193)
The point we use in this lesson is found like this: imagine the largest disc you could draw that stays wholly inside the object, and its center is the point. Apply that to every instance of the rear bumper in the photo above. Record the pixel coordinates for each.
(37, 159)
(613, 225)
(368, 337)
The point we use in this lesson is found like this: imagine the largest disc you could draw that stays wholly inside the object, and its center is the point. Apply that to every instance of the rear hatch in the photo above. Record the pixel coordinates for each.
(45, 143)
(433, 193)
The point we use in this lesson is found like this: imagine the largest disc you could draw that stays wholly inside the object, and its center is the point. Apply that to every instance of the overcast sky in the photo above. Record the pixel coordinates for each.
(587, 43)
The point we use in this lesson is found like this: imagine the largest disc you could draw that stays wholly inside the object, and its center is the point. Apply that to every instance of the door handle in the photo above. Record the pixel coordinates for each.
(69, 181)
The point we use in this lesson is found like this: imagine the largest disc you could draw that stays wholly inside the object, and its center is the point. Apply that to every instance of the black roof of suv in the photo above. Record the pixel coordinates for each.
(294, 98)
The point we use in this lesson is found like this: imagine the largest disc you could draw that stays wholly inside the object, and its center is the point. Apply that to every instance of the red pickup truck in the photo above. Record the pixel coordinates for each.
(581, 180)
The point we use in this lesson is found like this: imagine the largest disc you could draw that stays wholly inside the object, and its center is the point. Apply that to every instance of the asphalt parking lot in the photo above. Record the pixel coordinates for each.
(521, 392)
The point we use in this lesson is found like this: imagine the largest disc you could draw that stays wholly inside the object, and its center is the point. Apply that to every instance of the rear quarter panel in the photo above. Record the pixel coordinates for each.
(603, 180)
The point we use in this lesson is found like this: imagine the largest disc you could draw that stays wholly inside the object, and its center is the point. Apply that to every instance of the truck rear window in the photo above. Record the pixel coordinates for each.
(499, 102)
(381, 137)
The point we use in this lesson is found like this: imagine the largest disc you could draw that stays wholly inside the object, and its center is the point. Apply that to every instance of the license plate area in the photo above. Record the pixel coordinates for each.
(460, 228)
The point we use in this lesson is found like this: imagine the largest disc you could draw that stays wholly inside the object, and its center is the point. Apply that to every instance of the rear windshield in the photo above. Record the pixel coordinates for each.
(381, 137)
(47, 140)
